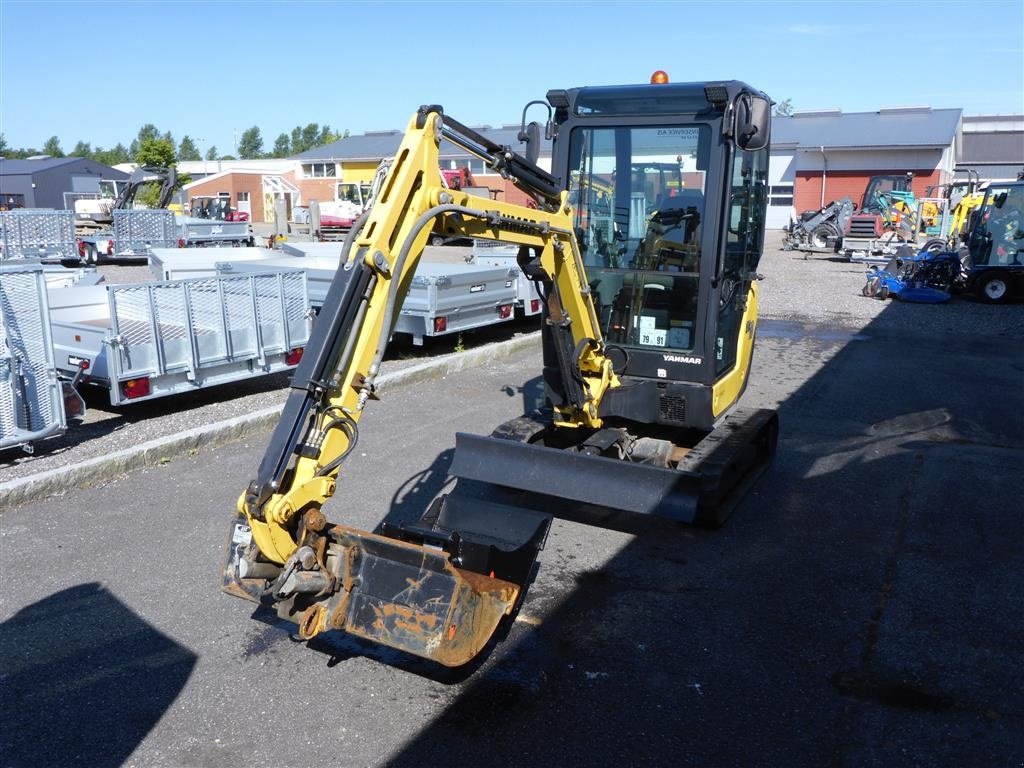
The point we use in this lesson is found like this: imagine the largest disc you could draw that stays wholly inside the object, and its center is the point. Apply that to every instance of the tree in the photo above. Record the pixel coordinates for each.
(159, 152)
(119, 154)
(783, 108)
(52, 147)
(187, 149)
(298, 145)
(155, 152)
(250, 146)
(211, 153)
(146, 132)
(82, 149)
(282, 146)
(310, 136)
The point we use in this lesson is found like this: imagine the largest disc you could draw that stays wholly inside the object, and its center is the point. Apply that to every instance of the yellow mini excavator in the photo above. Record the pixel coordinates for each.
(649, 323)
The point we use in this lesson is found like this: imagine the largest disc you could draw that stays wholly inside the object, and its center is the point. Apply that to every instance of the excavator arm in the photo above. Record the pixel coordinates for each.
(438, 590)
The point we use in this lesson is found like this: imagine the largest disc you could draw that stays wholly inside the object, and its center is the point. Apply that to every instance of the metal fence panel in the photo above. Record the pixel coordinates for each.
(31, 406)
(34, 234)
(136, 231)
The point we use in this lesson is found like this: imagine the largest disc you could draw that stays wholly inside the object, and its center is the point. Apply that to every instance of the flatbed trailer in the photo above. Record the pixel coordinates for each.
(494, 254)
(34, 403)
(182, 263)
(132, 237)
(39, 234)
(443, 298)
(141, 341)
(208, 233)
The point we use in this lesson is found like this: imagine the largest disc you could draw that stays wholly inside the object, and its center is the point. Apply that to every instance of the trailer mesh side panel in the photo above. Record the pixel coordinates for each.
(138, 231)
(184, 324)
(33, 234)
(30, 407)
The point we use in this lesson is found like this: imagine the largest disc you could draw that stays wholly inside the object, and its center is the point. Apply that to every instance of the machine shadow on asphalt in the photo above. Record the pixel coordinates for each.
(797, 629)
(102, 675)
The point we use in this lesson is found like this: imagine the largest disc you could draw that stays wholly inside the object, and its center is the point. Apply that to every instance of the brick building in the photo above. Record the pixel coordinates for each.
(820, 156)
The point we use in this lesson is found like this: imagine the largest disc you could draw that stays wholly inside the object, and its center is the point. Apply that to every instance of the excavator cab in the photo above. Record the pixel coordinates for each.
(669, 183)
(650, 310)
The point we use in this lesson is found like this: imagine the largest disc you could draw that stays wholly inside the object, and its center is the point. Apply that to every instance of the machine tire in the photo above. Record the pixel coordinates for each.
(821, 233)
(993, 288)
(934, 245)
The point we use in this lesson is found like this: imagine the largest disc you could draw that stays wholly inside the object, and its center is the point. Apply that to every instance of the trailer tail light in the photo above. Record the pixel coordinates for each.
(440, 324)
(110, 247)
(81, 249)
(181, 242)
(293, 357)
(134, 388)
(505, 311)
(534, 306)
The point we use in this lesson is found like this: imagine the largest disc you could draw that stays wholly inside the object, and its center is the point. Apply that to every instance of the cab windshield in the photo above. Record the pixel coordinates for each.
(639, 198)
(354, 193)
(998, 237)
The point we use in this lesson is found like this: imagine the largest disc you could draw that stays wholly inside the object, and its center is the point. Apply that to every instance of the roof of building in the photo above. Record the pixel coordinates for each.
(889, 127)
(28, 167)
(892, 127)
(374, 145)
(12, 167)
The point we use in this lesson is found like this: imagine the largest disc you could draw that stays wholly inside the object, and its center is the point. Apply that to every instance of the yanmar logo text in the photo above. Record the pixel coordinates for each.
(682, 359)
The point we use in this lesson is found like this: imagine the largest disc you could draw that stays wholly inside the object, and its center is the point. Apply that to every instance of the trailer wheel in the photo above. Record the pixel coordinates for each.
(993, 288)
(436, 240)
(92, 256)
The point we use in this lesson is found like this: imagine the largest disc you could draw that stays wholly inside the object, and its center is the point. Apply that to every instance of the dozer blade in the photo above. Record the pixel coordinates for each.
(703, 489)
(403, 594)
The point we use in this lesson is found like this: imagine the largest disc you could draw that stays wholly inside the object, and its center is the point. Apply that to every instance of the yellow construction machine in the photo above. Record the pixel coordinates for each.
(650, 316)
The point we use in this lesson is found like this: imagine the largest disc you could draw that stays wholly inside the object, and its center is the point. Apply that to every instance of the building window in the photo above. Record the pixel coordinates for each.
(243, 197)
(318, 170)
(781, 195)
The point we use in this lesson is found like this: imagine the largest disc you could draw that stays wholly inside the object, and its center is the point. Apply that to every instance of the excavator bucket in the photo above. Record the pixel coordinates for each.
(408, 588)
(703, 487)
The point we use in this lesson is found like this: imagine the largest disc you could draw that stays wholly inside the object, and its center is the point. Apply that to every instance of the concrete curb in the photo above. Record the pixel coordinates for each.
(155, 452)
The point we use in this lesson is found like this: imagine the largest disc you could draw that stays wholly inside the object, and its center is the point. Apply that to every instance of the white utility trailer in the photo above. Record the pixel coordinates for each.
(132, 237)
(147, 340)
(496, 254)
(34, 402)
(35, 233)
(443, 298)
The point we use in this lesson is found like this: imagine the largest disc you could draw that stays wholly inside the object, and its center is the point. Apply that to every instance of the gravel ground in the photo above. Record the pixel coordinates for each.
(826, 290)
(818, 290)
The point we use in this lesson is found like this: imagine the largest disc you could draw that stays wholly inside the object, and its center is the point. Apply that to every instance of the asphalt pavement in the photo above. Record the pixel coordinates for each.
(862, 607)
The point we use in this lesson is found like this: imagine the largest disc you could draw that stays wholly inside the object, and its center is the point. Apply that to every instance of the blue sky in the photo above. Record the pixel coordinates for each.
(97, 71)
